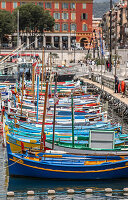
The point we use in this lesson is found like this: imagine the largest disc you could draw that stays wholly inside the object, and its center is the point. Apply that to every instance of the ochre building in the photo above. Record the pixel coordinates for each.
(73, 23)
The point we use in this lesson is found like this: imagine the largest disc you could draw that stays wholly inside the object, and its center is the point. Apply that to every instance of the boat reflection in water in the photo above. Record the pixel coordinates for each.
(24, 184)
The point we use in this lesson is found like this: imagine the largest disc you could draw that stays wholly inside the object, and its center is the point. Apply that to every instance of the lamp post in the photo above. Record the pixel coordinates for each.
(74, 45)
(17, 28)
(93, 36)
(115, 39)
(126, 35)
(110, 58)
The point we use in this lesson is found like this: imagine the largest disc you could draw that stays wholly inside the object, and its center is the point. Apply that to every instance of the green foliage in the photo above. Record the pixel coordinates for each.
(55, 55)
(88, 56)
(117, 57)
(33, 18)
(99, 61)
(6, 23)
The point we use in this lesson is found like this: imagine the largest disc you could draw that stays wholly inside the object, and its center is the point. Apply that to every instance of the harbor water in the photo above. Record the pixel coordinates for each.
(20, 186)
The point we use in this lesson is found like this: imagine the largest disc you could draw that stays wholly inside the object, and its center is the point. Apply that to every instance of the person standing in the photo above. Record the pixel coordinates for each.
(116, 83)
(107, 65)
(123, 88)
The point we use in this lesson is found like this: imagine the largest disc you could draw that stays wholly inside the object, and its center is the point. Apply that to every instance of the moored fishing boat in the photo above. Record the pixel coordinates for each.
(66, 166)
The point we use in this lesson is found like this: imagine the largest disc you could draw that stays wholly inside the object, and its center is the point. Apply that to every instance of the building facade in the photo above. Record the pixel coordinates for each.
(119, 24)
(73, 23)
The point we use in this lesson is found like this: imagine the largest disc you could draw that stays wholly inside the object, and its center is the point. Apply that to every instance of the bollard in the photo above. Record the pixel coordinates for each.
(108, 190)
(89, 190)
(51, 192)
(10, 194)
(70, 191)
(30, 193)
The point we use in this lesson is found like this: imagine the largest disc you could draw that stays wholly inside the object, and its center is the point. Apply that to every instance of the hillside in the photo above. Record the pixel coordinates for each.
(100, 7)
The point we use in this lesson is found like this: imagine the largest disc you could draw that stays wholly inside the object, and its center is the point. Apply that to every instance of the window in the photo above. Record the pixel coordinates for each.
(56, 15)
(84, 16)
(14, 5)
(84, 5)
(64, 5)
(64, 27)
(48, 5)
(73, 16)
(72, 5)
(84, 27)
(73, 27)
(40, 4)
(56, 5)
(3, 4)
(57, 27)
(64, 15)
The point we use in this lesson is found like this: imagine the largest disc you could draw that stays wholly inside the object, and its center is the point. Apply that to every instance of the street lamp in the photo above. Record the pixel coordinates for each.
(110, 58)
(115, 38)
(74, 44)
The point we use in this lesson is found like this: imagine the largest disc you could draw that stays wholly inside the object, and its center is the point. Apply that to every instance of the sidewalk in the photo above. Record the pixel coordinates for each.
(108, 90)
(121, 71)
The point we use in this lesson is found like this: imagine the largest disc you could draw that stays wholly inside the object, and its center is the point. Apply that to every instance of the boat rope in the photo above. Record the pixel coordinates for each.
(12, 164)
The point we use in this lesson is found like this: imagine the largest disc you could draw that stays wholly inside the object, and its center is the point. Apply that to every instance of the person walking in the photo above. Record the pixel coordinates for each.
(107, 63)
(116, 83)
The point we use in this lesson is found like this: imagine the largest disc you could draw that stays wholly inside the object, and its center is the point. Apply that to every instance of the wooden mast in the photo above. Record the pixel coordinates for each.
(51, 72)
(22, 91)
(42, 143)
(42, 77)
(54, 117)
(33, 81)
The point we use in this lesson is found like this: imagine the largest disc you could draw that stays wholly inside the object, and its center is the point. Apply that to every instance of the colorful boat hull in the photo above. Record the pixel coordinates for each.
(34, 167)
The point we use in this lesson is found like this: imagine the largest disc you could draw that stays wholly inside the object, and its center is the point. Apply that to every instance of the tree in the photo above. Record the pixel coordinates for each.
(33, 18)
(6, 23)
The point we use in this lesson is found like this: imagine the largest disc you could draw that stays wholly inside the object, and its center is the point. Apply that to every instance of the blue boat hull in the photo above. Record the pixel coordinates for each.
(32, 169)
(61, 169)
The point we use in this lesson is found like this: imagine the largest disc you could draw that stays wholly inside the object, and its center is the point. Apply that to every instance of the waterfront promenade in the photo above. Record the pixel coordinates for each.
(107, 79)
(106, 89)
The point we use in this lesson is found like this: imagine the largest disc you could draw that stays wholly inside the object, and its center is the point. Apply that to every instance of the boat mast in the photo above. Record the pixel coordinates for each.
(37, 93)
(42, 143)
(42, 79)
(51, 72)
(33, 81)
(54, 117)
(22, 91)
(72, 120)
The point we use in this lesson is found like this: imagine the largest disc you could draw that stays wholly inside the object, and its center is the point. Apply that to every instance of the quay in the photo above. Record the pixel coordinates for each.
(106, 89)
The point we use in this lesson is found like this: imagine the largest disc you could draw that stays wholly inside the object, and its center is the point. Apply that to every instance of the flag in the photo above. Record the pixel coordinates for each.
(49, 95)
(34, 64)
(56, 99)
(101, 46)
(37, 69)
(49, 91)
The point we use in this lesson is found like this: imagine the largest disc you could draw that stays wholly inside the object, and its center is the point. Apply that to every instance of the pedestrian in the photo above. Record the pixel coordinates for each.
(107, 65)
(116, 83)
(123, 88)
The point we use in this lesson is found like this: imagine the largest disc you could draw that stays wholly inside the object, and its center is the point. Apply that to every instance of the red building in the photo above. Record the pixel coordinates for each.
(73, 22)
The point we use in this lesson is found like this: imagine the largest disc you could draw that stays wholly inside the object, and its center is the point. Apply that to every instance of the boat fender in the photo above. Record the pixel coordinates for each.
(89, 190)
(70, 191)
(108, 190)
